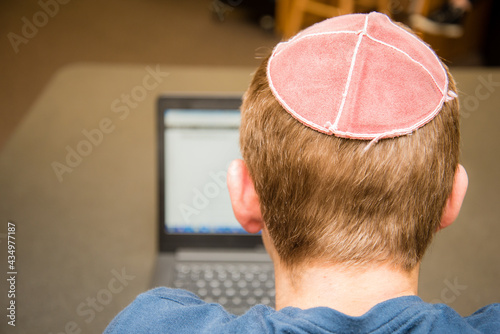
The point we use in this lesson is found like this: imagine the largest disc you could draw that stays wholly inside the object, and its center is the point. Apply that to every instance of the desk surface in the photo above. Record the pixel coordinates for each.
(79, 231)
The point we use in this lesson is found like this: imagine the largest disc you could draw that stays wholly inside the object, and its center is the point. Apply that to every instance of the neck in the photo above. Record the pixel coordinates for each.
(350, 290)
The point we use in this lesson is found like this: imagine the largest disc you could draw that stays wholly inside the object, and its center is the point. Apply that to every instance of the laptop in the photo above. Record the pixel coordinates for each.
(202, 248)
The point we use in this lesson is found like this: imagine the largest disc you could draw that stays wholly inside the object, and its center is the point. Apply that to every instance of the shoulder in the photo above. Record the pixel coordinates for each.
(440, 318)
(164, 310)
(411, 314)
(486, 319)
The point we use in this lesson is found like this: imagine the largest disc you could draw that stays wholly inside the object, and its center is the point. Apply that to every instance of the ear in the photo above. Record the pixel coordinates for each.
(456, 198)
(244, 199)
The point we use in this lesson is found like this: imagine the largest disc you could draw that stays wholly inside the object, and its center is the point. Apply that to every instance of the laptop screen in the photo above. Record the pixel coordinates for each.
(197, 140)
(199, 145)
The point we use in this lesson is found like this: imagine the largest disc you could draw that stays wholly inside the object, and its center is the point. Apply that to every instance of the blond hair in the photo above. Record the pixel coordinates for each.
(325, 199)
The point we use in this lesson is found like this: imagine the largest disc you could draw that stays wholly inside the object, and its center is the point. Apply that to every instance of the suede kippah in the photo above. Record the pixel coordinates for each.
(358, 76)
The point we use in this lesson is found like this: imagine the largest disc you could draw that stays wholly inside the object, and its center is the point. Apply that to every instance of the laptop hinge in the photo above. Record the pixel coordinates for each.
(255, 255)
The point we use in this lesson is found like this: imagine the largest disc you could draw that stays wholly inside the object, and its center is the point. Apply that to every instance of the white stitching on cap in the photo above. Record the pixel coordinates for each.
(445, 75)
(413, 60)
(295, 40)
(349, 77)
(451, 96)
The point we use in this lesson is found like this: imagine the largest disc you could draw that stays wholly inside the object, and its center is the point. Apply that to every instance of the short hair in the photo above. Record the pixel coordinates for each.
(325, 199)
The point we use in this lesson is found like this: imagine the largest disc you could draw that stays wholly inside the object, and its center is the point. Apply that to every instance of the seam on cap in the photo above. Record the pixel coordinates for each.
(413, 60)
(292, 41)
(392, 133)
(349, 77)
(282, 102)
(302, 33)
(445, 88)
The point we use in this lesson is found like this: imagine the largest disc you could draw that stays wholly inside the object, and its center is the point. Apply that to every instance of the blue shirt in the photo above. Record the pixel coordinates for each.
(164, 310)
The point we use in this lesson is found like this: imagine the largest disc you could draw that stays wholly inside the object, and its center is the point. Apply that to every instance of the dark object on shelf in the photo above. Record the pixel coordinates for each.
(445, 21)
(260, 11)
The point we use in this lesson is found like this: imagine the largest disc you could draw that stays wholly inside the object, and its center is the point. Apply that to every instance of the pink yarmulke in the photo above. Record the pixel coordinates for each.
(358, 76)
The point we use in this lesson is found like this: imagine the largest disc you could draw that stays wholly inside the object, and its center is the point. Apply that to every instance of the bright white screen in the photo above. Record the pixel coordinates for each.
(199, 145)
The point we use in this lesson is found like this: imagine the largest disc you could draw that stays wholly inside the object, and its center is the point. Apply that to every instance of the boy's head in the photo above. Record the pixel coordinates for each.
(333, 185)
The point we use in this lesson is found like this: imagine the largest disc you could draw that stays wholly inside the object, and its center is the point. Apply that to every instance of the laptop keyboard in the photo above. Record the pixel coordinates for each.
(236, 286)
